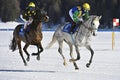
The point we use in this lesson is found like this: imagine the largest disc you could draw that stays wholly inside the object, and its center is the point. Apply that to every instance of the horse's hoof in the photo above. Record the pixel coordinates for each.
(25, 64)
(76, 68)
(28, 59)
(38, 57)
(87, 65)
(34, 54)
(64, 63)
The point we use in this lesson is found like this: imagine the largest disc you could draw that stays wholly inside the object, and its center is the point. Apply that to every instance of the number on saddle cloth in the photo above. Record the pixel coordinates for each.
(22, 31)
(67, 28)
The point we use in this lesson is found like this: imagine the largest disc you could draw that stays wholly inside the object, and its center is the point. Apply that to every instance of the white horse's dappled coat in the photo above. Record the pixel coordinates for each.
(81, 37)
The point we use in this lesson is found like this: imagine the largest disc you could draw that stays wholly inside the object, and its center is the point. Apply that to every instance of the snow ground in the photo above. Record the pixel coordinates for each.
(105, 65)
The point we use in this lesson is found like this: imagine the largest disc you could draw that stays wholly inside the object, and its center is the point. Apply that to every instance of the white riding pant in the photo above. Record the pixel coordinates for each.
(27, 22)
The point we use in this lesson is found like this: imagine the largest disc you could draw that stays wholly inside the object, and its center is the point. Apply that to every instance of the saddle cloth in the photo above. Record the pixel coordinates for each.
(67, 28)
(22, 31)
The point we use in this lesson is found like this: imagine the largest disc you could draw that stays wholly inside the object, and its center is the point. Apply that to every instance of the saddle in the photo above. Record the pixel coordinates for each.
(22, 32)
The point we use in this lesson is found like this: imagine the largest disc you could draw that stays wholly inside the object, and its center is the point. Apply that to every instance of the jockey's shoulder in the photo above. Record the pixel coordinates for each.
(77, 8)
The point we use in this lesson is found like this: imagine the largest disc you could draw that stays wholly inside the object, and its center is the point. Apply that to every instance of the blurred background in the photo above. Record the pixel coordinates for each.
(57, 10)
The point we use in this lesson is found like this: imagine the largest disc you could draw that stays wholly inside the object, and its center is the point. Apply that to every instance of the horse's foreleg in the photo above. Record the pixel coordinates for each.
(60, 51)
(25, 50)
(34, 54)
(20, 51)
(39, 51)
(71, 55)
(78, 54)
(92, 53)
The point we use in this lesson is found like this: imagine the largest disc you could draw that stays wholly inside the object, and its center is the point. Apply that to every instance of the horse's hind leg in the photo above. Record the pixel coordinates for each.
(20, 51)
(60, 51)
(92, 53)
(25, 50)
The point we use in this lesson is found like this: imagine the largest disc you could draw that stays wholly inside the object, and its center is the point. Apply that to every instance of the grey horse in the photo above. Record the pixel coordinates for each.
(81, 38)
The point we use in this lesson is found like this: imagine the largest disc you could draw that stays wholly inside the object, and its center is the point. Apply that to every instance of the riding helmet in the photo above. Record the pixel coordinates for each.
(31, 4)
(86, 6)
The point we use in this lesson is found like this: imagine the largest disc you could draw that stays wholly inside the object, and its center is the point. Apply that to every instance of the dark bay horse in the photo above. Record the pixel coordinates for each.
(34, 36)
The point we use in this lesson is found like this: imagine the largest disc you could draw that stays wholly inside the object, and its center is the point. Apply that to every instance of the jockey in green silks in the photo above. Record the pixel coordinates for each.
(79, 14)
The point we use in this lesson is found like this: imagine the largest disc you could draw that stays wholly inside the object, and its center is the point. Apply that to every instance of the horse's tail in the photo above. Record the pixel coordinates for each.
(13, 44)
(52, 42)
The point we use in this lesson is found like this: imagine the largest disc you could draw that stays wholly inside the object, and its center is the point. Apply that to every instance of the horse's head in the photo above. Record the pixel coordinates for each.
(94, 24)
(41, 16)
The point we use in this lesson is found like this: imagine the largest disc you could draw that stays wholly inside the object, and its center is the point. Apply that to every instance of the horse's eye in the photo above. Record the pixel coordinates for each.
(93, 23)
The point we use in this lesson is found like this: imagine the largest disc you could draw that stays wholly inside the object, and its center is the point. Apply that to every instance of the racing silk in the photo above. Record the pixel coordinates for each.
(29, 12)
(76, 14)
(86, 15)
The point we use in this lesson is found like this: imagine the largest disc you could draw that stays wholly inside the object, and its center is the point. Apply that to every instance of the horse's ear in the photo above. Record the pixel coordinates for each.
(99, 17)
(43, 10)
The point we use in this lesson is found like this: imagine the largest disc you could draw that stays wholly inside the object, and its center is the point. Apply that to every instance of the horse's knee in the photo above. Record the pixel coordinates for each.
(42, 50)
(78, 57)
(92, 52)
(20, 51)
(59, 50)
(24, 49)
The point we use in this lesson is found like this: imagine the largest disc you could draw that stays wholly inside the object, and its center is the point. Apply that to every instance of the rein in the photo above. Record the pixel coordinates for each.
(89, 28)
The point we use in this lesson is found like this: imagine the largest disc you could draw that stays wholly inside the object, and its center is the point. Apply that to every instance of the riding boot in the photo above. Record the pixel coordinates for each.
(79, 23)
(72, 28)
(26, 36)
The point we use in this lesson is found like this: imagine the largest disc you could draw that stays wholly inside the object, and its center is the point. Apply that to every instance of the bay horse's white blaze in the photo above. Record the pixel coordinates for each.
(81, 37)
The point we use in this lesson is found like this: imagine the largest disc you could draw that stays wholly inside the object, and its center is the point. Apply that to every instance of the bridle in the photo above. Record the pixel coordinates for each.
(89, 28)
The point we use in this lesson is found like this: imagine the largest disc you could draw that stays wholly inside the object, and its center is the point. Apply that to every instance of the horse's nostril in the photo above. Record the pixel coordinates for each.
(94, 34)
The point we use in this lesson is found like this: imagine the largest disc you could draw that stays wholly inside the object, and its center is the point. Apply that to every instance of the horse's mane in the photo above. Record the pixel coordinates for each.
(91, 18)
(36, 19)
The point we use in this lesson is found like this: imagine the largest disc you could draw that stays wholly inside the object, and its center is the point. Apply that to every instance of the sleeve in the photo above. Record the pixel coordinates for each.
(25, 16)
(86, 15)
(75, 16)
(80, 13)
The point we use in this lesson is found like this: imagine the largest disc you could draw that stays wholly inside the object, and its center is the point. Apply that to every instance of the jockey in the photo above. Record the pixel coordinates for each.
(28, 14)
(79, 14)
